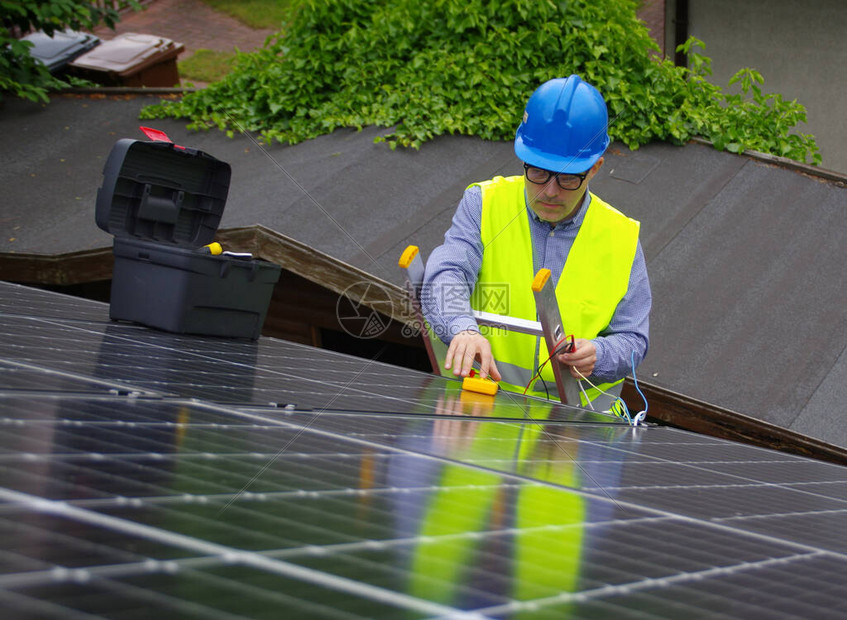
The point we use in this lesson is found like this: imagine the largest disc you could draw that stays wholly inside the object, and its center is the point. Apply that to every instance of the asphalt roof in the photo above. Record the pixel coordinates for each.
(745, 257)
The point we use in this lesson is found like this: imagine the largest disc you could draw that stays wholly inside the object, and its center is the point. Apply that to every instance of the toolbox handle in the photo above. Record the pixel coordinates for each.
(226, 265)
(160, 208)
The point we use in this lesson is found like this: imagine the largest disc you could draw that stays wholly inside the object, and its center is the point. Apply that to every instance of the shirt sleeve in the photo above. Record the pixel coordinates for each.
(452, 271)
(623, 345)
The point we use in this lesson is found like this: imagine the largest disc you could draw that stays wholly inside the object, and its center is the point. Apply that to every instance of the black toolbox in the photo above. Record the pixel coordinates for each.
(163, 204)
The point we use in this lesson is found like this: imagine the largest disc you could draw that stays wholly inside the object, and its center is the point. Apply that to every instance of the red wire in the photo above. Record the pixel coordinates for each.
(556, 350)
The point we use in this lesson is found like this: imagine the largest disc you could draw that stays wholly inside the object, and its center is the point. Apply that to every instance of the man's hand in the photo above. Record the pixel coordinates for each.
(581, 360)
(466, 347)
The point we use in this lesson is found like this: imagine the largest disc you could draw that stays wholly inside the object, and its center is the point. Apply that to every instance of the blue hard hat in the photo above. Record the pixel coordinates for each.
(564, 126)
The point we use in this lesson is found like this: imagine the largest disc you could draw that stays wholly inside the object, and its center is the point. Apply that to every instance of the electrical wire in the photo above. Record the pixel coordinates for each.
(584, 393)
(617, 401)
(634, 420)
(639, 417)
(563, 346)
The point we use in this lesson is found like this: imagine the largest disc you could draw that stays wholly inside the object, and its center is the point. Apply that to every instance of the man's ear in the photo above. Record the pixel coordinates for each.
(593, 170)
(596, 167)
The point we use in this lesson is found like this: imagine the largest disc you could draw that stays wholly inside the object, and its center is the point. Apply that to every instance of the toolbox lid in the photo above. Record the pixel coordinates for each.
(128, 54)
(158, 191)
(57, 51)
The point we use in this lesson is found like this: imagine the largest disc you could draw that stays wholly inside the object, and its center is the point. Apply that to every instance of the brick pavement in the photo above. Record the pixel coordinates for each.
(190, 22)
(652, 12)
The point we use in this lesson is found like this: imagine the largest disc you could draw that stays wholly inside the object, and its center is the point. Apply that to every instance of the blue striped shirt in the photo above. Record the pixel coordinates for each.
(452, 270)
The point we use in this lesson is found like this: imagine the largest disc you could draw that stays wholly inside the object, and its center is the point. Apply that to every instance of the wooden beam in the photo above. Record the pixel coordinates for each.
(674, 409)
(57, 269)
(339, 277)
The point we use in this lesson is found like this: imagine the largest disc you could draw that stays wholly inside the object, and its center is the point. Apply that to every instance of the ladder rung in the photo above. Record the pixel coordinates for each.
(522, 326)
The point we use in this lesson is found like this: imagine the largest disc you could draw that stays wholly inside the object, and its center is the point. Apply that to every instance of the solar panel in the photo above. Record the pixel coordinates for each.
(31, 302)
(145, 473)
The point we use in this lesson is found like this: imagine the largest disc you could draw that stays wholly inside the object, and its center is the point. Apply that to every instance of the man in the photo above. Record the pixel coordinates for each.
(506, 229)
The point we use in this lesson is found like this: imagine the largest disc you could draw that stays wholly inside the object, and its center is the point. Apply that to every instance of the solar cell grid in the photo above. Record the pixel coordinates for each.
(231, 371)
(16, 377)
(25, 301)
(42, 542)
(183, 494)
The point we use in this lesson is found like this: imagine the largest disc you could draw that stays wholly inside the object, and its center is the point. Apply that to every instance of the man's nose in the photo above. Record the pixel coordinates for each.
(551, 188)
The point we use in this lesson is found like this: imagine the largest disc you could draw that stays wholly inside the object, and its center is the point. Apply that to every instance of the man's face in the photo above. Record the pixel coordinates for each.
(553, 204)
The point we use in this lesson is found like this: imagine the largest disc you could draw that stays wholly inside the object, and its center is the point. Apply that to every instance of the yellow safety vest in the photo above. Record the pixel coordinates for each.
(593, 281)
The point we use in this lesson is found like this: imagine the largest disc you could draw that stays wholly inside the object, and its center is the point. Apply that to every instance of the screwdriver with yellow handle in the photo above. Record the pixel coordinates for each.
(213, 248)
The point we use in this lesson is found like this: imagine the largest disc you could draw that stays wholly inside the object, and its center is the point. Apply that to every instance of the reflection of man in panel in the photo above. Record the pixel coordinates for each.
(483, 537)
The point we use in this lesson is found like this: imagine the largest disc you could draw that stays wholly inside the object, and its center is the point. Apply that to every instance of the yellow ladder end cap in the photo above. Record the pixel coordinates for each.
(408, 256)
(540, 280)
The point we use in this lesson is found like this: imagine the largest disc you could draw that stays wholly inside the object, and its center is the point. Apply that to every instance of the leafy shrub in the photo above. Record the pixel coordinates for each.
(433, 67)
(20, 73)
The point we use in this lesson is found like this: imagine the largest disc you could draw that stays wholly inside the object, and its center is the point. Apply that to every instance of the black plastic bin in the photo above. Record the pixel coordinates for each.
(163, 203)
(131, 59)
(64, 46)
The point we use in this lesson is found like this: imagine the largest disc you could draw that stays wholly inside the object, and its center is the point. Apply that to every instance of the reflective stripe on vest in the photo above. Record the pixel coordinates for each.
(593, 281)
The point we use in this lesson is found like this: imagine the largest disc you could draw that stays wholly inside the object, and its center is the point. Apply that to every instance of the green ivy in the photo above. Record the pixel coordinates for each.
(432, 67)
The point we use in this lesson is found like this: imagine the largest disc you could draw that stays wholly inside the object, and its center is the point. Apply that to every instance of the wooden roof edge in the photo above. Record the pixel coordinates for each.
(815, 171)
(334, 274)
(295, 256)
(691, 414)
(57, 269)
